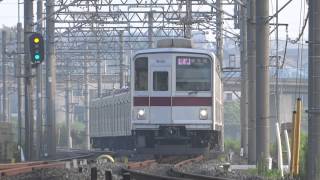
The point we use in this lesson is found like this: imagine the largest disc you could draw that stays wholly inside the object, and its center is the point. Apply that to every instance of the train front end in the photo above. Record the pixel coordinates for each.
(176, 101)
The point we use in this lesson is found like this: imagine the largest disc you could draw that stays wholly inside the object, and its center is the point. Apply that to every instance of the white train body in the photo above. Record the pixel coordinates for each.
(174, 103)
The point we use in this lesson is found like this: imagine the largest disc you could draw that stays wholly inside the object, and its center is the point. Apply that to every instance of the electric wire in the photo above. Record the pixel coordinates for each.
(302, 31)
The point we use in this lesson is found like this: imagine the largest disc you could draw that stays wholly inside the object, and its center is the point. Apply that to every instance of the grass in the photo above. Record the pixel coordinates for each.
(269, 174)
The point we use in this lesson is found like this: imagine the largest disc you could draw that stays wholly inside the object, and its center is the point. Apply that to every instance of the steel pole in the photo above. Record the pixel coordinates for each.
(4, 78)
(244, 74)
(39, 86)
(28, 83)
(50, 79)
(251, 11)
(262, 81)
(313, 164)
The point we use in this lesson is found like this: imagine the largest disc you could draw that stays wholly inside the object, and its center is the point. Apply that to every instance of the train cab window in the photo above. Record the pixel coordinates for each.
(141, 74)
(160, 81)
(193, 74)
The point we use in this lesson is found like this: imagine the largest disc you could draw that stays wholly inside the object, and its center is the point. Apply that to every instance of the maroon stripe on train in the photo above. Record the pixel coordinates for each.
(160, 101)
(192, 101)
(176, 101)
(141, 101)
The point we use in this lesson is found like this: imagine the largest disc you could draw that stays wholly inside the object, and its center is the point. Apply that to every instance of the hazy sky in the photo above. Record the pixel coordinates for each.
(290, 15)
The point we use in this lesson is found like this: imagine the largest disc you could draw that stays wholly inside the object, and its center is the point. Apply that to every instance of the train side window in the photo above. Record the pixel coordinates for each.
(141, 74)
(160, 81)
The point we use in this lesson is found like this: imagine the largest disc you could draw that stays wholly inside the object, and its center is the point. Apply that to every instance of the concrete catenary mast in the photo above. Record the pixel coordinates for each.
(4, 77)
(28, 84)
(150, 29)
(244, 74)
(219, 51)
(39, 85)
(251, 9)
(313, 164)
(188, 23)
(262, 82)
(50, 78)
(121, 48)
(67, 104)
(99, 78)
(86, 100)
(20, 82)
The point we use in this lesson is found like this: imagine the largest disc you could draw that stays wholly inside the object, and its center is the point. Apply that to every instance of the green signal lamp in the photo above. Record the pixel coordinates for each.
(37, 57)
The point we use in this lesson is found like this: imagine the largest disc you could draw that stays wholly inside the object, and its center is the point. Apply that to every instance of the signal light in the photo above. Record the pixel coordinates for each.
(37, 57)
(36, 40)
(36, 44)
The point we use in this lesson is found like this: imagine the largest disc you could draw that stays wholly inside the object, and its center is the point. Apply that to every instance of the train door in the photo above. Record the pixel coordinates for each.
(160, 96)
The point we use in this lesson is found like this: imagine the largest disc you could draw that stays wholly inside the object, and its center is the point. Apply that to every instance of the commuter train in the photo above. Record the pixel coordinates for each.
(174, 104)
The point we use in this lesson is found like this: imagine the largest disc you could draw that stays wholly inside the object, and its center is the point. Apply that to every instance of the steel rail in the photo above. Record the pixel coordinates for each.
(185, 175)
(135, 174)
(21, 168)
(134, 170)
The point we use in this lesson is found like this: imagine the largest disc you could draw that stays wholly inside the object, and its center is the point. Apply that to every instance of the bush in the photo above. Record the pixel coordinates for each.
(232, 144)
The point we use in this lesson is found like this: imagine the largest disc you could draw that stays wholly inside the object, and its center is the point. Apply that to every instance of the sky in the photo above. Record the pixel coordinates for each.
(290, 15)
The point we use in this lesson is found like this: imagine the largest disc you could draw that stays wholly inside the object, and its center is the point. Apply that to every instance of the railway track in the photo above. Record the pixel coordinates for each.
(169, 168)
(136, 171)
(21, 168)
(8, 170)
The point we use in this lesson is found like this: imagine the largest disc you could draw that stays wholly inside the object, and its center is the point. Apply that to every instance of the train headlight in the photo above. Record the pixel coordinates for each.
(203, 114)
(141, 114)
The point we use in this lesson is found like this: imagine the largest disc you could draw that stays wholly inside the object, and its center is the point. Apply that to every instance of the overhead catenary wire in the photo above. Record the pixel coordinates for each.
(295, 41)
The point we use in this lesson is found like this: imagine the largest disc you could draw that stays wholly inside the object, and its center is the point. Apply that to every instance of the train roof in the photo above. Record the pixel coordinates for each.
(175, 50)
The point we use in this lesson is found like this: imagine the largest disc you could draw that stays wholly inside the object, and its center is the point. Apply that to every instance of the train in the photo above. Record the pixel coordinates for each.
(174, 104)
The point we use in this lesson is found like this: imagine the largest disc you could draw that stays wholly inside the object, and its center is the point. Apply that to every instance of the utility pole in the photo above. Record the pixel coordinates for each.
(4, 78)
(262, 81)
(244, 74)
(150, 29)
(219, 54)
(122, 78)
(313, 164)
(188, 24)
(28, 83)
(39, 86)
(50, 79)
(251, 40)
(20, 82)
(86, 102)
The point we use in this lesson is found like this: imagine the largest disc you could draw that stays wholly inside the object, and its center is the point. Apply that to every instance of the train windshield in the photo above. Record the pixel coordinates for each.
(141, 74)
(193, 74)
